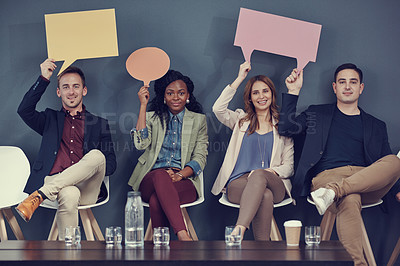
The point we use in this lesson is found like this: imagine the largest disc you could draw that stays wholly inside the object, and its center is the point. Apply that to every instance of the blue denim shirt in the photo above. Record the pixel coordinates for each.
(170, 153)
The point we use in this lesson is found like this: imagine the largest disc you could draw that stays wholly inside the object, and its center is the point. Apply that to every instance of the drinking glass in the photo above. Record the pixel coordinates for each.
(233, 237)
(313, 235)
(72, 235)
(113, 235)
(161, 236)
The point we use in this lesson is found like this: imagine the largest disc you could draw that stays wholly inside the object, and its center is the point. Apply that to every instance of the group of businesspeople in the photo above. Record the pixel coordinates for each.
(345, 161)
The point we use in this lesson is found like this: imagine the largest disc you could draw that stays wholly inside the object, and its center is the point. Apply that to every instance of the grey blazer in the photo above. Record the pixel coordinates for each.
(194, 146)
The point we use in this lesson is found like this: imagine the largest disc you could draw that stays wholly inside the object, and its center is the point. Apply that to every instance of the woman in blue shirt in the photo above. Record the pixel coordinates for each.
(174, 138)
(258, 162)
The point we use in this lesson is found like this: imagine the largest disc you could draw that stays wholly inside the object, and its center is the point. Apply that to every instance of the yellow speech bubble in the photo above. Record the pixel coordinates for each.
(81, 35)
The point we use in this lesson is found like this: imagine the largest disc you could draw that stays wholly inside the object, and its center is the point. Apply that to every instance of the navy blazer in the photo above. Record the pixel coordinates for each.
(50, 125)
(312, 126)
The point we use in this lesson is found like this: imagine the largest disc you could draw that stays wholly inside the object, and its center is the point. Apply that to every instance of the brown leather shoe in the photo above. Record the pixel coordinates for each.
(29, 205)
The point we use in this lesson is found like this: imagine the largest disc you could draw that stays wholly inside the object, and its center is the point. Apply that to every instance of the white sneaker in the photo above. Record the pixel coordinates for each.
(323, 198)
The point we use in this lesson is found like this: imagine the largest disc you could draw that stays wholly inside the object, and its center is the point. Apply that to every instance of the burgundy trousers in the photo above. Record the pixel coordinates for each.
(165, 197)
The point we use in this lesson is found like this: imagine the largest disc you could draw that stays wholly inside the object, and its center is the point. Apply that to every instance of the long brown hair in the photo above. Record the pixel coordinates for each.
(249, 106)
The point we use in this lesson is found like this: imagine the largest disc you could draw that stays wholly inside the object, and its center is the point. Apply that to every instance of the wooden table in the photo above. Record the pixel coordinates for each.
(55, 253)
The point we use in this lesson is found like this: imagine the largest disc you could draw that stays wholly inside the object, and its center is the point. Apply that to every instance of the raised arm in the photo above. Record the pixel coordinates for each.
(141, 135)
(220, 107)
(143, 95)
(27, 108)
(294, 82)
(289, 124)
(47, 68)
(244, 69)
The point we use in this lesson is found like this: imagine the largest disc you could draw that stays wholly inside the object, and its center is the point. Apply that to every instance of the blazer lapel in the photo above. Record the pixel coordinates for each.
(160, 136)
(60, 126)
(186, 135)
(88, 129)
(242, 130)
(244, 127)
(326, 124)
(275, 139)
(367, 132)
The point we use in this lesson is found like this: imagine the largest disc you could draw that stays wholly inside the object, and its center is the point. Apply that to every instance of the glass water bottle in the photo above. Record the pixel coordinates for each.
(134, 231)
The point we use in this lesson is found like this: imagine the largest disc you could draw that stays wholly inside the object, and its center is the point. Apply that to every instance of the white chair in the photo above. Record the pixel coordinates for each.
(396, 249)
(188, 222)
(89, 222)
(14, 173)
(275, 235)
(328, 221)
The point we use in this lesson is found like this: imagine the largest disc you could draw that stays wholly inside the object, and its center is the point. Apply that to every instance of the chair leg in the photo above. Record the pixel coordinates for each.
(12, 221)
(95, 226)
(149, 232)
(53, 235)
(369, 255)
(3, 231)
(86, 225)
(275, 235)
(328, 220)
(189, 225)
(395, 254)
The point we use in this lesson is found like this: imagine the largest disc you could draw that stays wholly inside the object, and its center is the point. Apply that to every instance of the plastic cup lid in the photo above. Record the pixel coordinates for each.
(293, 223)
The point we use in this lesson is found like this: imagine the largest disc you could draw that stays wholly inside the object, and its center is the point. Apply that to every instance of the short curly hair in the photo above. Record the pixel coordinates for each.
(157, 103)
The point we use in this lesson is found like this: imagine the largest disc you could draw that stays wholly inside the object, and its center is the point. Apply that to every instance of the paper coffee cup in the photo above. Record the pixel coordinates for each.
(292, 231)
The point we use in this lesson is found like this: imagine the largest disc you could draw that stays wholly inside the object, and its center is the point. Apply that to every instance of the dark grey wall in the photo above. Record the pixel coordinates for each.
(198, 36)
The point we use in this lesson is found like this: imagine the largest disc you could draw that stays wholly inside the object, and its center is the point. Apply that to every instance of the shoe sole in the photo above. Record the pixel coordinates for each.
(317, 203)
(22, 215)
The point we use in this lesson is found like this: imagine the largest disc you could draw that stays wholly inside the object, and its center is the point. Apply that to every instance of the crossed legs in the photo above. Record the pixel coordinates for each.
(77, 185)
(354, 186)
(165, 197)
(256, 193)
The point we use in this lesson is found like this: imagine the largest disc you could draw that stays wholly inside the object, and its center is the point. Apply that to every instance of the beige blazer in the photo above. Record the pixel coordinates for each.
(193, 147)
(282, 150)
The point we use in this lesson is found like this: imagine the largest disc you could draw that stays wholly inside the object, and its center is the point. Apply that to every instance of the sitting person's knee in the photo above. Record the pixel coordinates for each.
(351, 201)
(69, 198)
(393, 159)
(96, 156)
(258, 175)
(258, 172)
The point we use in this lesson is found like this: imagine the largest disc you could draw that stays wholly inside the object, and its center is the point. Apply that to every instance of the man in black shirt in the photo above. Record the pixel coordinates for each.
(346, 159)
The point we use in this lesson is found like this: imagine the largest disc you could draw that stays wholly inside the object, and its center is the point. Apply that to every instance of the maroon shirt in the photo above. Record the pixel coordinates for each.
(71, 146)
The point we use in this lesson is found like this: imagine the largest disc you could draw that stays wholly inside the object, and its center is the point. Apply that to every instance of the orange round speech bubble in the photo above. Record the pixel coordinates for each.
(147, 64)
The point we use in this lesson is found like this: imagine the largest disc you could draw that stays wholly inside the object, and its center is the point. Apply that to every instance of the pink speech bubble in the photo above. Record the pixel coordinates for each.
(279, 35)
(147, 64)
